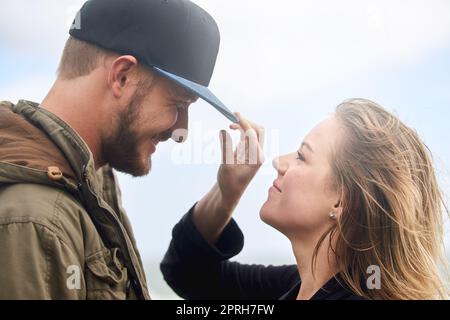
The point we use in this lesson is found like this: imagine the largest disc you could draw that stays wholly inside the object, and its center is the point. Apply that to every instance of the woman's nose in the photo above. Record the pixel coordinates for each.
(280, 164)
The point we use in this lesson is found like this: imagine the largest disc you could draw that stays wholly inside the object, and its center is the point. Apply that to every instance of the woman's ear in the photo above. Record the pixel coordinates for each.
(337, 208)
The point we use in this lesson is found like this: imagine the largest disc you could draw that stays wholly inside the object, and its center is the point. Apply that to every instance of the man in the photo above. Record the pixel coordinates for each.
(128, 73)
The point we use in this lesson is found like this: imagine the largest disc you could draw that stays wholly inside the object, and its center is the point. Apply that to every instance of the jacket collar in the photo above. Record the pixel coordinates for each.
(75, 150)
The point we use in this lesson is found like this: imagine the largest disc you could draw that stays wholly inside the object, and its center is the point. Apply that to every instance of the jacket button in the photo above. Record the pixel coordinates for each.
(54, 173)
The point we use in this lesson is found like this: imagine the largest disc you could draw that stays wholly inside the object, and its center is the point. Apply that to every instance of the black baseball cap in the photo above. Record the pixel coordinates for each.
(176, 38)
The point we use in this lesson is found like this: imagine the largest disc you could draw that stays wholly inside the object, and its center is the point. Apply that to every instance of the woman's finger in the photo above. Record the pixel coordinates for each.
(245, 125)
(226, 146)
(260, 132)
(250, 148)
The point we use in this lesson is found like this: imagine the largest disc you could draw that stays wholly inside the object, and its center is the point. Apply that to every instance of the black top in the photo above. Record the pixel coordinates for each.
(196, 270)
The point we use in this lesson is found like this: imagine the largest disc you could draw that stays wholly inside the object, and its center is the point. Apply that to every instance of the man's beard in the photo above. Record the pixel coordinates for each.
(120, 149)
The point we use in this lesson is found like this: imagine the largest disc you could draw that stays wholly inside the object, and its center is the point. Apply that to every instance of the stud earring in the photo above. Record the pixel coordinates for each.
(332, 215)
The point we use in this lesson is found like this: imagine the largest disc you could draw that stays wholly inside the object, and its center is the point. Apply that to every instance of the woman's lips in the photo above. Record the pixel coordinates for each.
(275, 187)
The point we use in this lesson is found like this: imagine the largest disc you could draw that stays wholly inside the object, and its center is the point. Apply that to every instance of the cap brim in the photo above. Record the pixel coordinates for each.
(201, 91)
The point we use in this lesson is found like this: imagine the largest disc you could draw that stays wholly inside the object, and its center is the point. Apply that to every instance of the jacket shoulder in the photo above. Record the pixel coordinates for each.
(6, 104)
(34, 201)
(53, 208)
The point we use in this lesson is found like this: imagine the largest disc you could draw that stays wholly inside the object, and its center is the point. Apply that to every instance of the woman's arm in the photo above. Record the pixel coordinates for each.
(212, 214)
(195, 269)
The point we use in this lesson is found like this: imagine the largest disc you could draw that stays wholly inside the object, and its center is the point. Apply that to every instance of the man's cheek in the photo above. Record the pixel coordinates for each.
(171, 117)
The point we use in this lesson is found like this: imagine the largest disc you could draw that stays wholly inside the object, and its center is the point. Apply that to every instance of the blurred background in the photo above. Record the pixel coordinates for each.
(283, 64)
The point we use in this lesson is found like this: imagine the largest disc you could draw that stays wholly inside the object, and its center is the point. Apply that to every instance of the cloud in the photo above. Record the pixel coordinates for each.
(39, 26)
(271, 50)
(293, 47)
(33, 88)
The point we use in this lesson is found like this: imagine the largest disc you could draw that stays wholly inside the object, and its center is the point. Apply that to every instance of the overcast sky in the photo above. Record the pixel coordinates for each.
(284, 64)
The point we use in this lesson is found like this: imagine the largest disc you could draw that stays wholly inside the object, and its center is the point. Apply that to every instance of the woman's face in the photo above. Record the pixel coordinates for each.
(302, 197)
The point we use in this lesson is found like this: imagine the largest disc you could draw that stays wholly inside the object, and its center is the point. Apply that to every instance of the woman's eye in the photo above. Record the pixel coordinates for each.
(300, 156)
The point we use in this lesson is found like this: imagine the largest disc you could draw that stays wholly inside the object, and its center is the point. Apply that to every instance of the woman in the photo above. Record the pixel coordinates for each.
(359, 202)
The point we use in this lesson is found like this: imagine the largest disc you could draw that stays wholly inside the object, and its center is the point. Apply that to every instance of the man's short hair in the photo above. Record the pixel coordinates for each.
(80, 58)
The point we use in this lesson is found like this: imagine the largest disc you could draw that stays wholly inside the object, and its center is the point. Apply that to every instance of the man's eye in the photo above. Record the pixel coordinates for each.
(180, 106)
(300, 156)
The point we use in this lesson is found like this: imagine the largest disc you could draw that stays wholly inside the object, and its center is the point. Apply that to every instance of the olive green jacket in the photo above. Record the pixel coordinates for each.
(63, 231)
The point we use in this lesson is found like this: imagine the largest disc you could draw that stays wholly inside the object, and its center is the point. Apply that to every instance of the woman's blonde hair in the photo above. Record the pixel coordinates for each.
(393, 209)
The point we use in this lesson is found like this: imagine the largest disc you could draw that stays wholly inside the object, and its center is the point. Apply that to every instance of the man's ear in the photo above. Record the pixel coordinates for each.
(121, 74)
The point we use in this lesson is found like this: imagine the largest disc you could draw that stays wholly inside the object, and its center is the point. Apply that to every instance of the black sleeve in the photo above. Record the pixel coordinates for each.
(196, 270)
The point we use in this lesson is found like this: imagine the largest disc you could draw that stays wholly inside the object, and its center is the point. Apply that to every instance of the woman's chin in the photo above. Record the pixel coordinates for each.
(266, 212)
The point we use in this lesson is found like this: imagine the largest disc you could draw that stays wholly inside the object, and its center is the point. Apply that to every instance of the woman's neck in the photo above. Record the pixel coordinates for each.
(324, 268)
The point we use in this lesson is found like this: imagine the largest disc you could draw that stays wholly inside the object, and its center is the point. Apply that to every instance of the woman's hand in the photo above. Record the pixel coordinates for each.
(239, 167)
(213, 212)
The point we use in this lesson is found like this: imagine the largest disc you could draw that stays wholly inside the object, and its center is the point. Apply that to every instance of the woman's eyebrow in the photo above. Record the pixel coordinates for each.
(306, 144)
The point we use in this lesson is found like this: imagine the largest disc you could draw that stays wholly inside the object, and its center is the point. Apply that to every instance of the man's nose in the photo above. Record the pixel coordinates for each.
(180, 128)
(280, 164)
